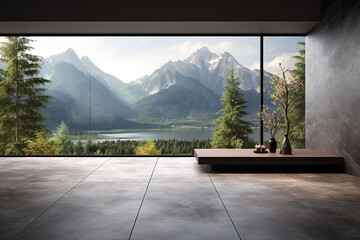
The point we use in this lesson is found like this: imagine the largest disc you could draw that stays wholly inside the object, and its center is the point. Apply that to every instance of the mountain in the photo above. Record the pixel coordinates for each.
(206, 67)
(70, 89)
(219, 70)
(110, 80)
(132, 92)
(70, 101)
(211, 71)
(69, 56)
(86, 66)
(162, 78)
(186, 97)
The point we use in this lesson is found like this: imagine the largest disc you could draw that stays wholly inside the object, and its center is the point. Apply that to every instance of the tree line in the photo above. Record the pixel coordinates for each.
(132, 147)
(61, 144)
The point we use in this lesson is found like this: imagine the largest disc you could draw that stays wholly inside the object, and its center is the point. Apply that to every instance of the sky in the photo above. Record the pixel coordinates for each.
(129, 58)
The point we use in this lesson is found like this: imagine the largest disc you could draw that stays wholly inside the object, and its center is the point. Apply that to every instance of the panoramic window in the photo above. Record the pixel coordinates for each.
(133, 95)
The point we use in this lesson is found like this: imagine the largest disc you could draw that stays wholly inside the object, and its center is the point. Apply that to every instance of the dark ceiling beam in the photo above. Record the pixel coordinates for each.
(160, 10)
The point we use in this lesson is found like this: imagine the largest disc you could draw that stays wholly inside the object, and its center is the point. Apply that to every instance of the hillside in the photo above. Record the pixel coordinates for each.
(179, 100)
(70, 89)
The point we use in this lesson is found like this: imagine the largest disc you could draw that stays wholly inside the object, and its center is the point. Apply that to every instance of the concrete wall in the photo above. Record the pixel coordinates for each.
(333, 83)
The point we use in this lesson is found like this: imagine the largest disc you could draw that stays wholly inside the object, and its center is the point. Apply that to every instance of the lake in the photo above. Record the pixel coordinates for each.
(151, 134)
(180, 134)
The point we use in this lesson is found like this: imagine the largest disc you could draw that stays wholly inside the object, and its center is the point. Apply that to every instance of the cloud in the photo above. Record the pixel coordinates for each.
(272, 49)
(286, 60)
(255, 65)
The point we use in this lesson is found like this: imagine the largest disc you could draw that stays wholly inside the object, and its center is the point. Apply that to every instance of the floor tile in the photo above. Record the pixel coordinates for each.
(104, 210)
(183, 210)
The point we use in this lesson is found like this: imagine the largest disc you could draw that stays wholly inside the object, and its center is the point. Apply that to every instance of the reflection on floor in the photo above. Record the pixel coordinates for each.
(170, 198)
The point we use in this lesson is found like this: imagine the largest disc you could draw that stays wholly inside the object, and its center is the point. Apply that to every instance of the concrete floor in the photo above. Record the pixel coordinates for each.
(170, 198)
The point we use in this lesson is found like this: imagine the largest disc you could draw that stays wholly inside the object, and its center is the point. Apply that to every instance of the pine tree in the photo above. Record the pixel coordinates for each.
(297, 110)
(63, 139)
(230, 127)
(78, 148)
(88, 147)
(21, 95)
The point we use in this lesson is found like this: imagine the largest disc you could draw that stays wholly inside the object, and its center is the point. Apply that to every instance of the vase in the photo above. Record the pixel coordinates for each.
(272, 145)
(286, 147)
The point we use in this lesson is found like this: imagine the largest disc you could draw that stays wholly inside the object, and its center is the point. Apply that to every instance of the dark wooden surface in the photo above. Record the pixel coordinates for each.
(246, 157)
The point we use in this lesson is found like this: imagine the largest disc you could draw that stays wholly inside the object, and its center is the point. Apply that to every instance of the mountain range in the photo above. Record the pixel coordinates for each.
(204, 66)
(177, 90)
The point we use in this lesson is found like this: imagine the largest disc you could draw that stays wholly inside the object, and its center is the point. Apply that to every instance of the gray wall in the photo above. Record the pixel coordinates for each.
(333, 83)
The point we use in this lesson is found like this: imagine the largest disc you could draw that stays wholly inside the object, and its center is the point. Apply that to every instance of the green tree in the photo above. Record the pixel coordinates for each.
(41, 146)
(230, 127)
(21, 95)
(78, 148)
(98, 152)
(88, 147)
(148, 148)
(63, 138)
(297, 110)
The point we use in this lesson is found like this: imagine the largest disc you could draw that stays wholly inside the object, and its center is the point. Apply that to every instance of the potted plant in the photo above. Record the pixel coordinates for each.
(272, 122)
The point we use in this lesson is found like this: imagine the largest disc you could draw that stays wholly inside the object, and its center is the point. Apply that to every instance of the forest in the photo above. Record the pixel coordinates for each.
(128, 147)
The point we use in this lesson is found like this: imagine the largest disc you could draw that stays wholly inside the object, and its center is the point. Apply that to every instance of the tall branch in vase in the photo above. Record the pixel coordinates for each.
(284, 89)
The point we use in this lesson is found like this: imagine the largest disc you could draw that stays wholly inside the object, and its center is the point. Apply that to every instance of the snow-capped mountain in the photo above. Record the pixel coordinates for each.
(203, 58)
(219, 70)
(205, 66)
(202, 67)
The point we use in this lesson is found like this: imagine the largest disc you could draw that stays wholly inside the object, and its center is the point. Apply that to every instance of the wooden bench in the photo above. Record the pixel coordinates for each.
(302, 160)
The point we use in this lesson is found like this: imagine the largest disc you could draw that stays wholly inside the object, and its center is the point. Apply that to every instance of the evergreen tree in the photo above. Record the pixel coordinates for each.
(78, 148)
(230, 127)
(88, 147)
(21, 95)
(297, 110)
(63, 139)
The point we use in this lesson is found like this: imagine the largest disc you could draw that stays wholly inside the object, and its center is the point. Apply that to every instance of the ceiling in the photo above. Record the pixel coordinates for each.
(81, 17)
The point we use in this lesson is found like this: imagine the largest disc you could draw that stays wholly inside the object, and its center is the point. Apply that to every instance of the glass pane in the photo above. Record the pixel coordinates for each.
(144, 88)
(281, 50)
